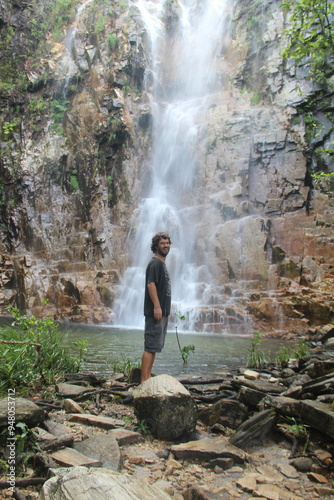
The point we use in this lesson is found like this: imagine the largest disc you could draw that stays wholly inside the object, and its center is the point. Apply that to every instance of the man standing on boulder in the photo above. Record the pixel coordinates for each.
(157, 302)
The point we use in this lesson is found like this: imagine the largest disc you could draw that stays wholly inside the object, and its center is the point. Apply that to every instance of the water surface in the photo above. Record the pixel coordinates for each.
(213, 354)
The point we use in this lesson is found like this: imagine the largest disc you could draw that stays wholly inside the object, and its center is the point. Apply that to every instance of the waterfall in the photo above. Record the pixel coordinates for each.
(69, 66)
(182, 76)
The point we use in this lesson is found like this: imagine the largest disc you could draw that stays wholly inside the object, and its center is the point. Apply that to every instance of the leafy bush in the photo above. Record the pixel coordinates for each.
(311, 36)
(33, 351)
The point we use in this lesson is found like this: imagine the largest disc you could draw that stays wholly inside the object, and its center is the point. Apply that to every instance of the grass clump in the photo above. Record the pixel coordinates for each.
(125, 365)
(256, 357)
(287, 353)
(33, 352)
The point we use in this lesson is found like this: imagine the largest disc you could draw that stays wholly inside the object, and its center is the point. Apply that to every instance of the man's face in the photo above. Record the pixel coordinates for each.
(163, 247)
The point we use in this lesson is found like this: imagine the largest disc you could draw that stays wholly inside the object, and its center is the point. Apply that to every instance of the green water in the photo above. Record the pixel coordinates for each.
(213, 353)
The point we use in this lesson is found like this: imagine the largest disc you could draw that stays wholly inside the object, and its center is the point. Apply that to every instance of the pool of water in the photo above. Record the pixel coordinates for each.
(213, 353)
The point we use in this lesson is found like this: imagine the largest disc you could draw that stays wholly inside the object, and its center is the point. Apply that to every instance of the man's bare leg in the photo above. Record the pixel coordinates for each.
(147, 361)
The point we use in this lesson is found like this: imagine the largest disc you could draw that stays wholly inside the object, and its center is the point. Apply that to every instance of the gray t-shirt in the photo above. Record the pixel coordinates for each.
(156, 272)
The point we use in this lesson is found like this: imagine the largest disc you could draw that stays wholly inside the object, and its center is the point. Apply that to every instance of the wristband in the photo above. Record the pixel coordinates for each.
(157, 307)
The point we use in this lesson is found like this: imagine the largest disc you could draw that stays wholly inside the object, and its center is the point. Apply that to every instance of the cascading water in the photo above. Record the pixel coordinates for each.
(69, 67)
(183, 75)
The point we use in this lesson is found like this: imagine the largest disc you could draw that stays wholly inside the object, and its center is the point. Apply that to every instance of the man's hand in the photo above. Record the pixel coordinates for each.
(157, 313)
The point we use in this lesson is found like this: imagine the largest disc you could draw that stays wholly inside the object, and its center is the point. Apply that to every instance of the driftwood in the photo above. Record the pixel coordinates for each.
(54, 405)
(29, 481)
(198, 381)
(38, 346)
(55, 444)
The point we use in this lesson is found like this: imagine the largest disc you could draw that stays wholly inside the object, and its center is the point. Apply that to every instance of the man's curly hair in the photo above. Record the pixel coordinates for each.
(156, 238)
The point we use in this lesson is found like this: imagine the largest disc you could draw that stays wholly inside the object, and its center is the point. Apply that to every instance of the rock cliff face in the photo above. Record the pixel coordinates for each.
(75, 141)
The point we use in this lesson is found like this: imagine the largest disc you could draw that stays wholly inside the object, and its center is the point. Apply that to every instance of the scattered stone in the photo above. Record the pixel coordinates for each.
(325, 491)
(71, 406)
(97, 484)
(24, 411)
(247, 482)
(69, 456)
(95, 420)
(102, 448)
(166, 406)
(303, 464)
(259, 385)
(288, 471)
(272, 492)
(125, 437)
(207, 449)
(222, 463)
(69, 390)
(317, 478)
(251, 374)
(59, 430)
(270, 474)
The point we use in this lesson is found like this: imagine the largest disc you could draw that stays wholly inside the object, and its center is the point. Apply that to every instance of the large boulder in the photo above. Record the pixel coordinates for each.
(166, 406)
(97, 484)
(22, 410)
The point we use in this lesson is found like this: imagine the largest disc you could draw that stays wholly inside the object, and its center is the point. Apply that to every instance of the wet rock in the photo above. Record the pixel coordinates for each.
(225, 412)
(255, 430)
(250, 397)
(94, 484)
(166, 406)
(318, 415)
(23, 410)
(258, 385)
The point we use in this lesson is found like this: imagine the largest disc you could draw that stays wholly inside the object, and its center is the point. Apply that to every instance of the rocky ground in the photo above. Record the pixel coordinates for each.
(291, 461)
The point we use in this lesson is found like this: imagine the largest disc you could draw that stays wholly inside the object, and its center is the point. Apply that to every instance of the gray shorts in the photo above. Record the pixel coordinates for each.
(155, 334)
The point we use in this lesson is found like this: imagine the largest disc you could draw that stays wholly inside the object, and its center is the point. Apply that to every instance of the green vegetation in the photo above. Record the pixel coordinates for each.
(58, 110)
(63, 12)
(311, 36)
(286, 353)
(100, 24)
(74, 181)
(34, 352)
(256, 357)
(321, 176)
(187, 349)
(112, 40)
(125, 365)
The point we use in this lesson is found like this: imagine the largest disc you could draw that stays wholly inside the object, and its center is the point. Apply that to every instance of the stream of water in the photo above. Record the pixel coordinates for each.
(182, 76)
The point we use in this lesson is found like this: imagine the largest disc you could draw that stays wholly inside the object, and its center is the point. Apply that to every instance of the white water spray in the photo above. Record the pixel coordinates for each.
(184, 69)
(69, 66)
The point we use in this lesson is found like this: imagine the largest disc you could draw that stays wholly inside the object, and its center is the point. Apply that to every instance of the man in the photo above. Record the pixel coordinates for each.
(157, 302)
